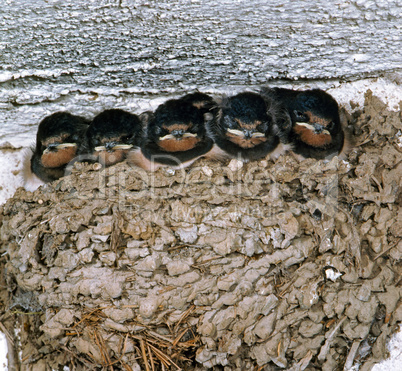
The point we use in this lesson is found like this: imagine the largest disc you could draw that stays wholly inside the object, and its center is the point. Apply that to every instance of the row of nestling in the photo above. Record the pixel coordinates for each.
(247, 126)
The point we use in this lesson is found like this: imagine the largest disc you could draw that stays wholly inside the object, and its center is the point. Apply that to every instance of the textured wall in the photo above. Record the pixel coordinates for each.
(53, 51)
(159, 44)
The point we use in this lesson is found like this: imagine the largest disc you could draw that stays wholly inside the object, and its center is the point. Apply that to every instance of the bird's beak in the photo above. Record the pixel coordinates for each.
(168, 136)
(112, 146)
(175, 137)
(257, 134)
(246, 133)
(239, 133)
(189, 135)
(316, 128)
(122, 146)
(55, 147)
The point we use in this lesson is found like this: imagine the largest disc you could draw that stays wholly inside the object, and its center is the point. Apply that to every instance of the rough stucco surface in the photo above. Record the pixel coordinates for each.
(56, 51)
(217, 265)
(159, 44)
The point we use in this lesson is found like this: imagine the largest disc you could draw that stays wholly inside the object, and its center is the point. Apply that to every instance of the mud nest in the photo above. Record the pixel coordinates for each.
(258, 266)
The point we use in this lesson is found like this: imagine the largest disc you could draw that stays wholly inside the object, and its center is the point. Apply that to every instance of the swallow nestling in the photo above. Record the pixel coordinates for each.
(176, 135)
(247, 127)
(316, 131)
(111, 134)
(60, 137)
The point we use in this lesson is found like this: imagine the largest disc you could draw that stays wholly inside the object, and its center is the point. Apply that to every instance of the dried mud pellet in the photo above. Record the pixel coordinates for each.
(148, 307)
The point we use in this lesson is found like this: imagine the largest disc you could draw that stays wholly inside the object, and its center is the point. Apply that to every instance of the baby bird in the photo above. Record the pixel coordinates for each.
(316, 126)
(176, 135)
(247, 128)
(60, 137)
(111, 134)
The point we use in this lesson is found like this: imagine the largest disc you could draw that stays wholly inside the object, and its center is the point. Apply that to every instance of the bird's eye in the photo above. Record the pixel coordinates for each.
(300, 116)
(262, 127)
(125, 138)
(331, 125)
(96, 142)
